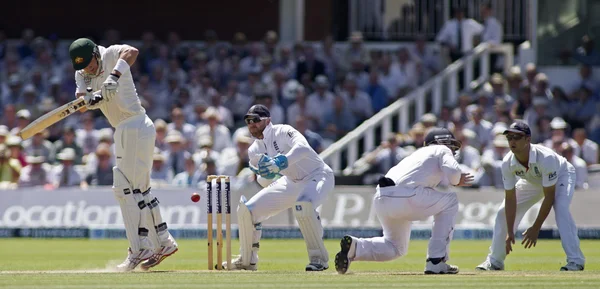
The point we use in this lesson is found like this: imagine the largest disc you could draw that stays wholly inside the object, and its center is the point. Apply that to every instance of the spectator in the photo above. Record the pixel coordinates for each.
(64, 174)
(356, 50)
(160, 174)
(530, 75)
(429, 59)
(309, 64)
(87, 137)
(539, 109)
(358, 101)
(582, 108)
(498, 83)
(339, 120)
(515, 80)
(559, 135)
(251, 62)
(586, 79)
(9, 116)
(188, 178)
(224, 112)
(187, 130)
(236, 102)
(38, 145)
(161, 133)
(4, 133)
(543, 129)
(586, 53)
(10, 168)
(524, 101)
(386, 155)
(581, 171)
(492, 33)
(23, 119)
(491, 161)
(234, 159)
(457, 34)
(407, 71)
(321, 101)
(331, 57)
(314, 139)
(588, 149)
(176, 153)
(301, 108)
(67, 141)
(389, 77)
(378, 93)
(239, 45)
(469, 157)
(277, 113)
(286, 62)
(218, 133)
(481, 127)
(36, 173)
(14, 144)
(102, 173)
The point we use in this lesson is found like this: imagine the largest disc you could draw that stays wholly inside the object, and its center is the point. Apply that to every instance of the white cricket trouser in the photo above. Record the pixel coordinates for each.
(527, 196)
(284, 193)
(134, 149)
(396, 208)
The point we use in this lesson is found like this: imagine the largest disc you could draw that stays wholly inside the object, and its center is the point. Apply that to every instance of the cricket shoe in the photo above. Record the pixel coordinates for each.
(572, 266)
(134, 259)
(342, 262)
(316, 264)
(440, 268)
(488, 266)
(164, 252)
(237, 264)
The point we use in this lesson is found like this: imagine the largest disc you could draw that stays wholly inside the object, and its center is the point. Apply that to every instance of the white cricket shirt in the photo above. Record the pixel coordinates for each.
(426, 167)
(545, 167)
(126, 103)
(283, 139)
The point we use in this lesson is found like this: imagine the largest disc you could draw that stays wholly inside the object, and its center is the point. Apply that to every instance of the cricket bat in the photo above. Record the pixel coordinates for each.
(51, 118)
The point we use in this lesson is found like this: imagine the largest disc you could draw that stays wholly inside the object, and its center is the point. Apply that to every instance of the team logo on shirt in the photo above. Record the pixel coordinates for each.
(552, 176)
(290, 134)
(276, 147)
(537, 172)
(520, 173)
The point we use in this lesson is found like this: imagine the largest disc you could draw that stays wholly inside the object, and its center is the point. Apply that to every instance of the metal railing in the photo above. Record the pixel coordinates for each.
(406, 19)
(400, 115)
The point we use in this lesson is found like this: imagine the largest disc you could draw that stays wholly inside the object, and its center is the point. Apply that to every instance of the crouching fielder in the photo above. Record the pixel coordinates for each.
(543, 175)
(294, 176)
(106, 71)
(407, 194)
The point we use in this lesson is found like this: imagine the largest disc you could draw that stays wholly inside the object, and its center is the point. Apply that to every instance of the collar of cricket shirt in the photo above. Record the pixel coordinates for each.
(532, 156)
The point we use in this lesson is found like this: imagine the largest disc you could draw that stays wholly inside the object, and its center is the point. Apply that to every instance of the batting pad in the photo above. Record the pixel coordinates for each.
(245, 231)
(130, 208)
(153, 219)
(312, 230)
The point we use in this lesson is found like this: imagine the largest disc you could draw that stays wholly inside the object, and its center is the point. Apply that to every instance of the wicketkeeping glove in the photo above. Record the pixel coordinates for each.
(274, 165)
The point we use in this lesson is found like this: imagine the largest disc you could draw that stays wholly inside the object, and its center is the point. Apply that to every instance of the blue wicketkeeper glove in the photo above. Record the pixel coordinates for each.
(265, 173)
(273, 166)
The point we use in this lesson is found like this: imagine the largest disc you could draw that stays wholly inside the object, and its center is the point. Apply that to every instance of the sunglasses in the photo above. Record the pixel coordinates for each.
(254, 119)
(514, 137)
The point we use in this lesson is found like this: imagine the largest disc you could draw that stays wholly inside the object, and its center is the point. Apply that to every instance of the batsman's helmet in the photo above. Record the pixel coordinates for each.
(81, 52)
(442, 136)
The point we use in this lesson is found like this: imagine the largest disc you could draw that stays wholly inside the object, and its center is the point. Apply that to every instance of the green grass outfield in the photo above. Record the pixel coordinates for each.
(68, 263)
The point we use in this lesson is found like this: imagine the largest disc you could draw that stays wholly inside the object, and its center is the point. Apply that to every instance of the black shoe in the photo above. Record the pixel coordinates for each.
(342, 263)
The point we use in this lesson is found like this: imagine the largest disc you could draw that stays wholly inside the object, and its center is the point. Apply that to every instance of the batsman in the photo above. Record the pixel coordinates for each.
(293, 176)
(105, 71)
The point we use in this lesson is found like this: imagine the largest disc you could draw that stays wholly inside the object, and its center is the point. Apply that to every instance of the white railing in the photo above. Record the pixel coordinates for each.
(443, 88)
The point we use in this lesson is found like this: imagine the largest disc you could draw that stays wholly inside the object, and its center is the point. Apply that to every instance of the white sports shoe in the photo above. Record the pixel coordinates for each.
(236, 264)
(572, 266)
(134, 259)
(164, 252)
(316, 264)
(440, 268)
(488, 266)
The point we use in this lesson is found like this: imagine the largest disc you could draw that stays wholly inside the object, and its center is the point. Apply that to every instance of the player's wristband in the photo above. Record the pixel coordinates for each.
(122, 66)
(115, 75)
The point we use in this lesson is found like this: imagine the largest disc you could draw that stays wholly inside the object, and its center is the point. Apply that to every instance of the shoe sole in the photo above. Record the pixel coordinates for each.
(341, 258)
(146, 268)
(439, 273)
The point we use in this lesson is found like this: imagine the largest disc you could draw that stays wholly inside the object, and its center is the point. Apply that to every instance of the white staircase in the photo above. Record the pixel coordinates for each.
(441, 89)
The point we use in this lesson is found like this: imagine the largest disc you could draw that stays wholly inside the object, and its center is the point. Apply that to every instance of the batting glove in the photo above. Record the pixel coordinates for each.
(111, 84)
(92, 98)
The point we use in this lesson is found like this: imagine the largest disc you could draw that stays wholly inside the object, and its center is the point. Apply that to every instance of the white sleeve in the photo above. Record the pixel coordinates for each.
(477, 28)
(113, 52)
(550, 171)
(508, 178)
(444, 34)
(299, 146)
(80, 83)
(450, 167)
(253, 152)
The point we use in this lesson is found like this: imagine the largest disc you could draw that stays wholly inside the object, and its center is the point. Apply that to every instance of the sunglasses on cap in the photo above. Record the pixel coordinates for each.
(514, 137)
(254, 119)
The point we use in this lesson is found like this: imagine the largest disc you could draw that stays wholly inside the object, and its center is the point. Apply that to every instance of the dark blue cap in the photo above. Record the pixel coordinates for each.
(518, 127)
(258, 110)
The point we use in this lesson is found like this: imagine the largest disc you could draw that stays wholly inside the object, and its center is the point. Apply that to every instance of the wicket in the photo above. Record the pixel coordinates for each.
(209, 215)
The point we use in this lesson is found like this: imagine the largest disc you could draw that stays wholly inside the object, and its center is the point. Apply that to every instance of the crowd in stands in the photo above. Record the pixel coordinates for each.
(568, 121)
(198, 92)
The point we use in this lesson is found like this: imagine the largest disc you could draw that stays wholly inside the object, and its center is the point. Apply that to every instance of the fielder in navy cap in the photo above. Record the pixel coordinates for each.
(518, 127)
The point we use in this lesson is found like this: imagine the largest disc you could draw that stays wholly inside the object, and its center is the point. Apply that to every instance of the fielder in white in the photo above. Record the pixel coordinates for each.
(293, 176)
(543, 174)
(106, 72)
(407, 194)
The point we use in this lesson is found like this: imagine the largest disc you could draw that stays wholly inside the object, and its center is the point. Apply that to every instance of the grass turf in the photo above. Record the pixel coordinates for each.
(68, 263)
